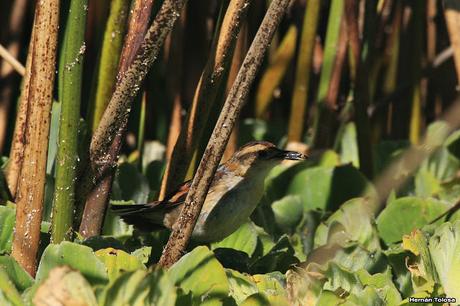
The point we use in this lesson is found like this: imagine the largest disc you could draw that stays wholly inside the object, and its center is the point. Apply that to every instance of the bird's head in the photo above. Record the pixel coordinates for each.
(260, 155)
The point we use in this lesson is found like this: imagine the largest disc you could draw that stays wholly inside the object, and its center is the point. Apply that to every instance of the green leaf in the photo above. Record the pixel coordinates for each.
(64, 285)
(383, 283)
(21, 279)
(329, 158)
(241, 286)
(326, 188)
(7, 220)
(270, 285)
(444, 248)
(403, 215)
(397, 258)
(453, 144)
(9, 295)
(422, 270)
(441, 164)
(426, 184)
(288, 212)
(118, 261)
(201, 273)
(257, 299)
(244, 239)
(79, 257)
(140, 288)
(353, 222)
(279, 258)
(340, 279)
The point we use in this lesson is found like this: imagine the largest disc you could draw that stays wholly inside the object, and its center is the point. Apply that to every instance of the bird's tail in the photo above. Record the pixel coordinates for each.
(142, 216)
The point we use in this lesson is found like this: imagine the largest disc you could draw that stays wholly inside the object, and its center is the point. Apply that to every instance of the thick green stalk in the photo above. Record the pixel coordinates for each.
(330, 48)
(109, 60)
(69, 87)
(323, 120)
(303, 70)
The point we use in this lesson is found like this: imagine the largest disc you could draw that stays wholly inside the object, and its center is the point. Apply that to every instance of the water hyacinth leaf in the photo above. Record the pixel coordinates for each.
(279, 258)
(9, 295)
(328, 187)
(426, 184)
(79, 257)
(244, 239)
(118, 261)
(142, 254)
(257, 299)
(21, 279)
(383, 283)
(453, 144)
(241, 286)
(397, 257)
(64, 285)
(201, 273)
(271, 285)
(441, 164)
(422, 269)
(352, 257)
(403, 215)
(340, 279)
(368, 296)
(329, 159)
(288, 212)
(329, 298)
(444, 248)
(353, 222)
(7, 220)
(140, 288)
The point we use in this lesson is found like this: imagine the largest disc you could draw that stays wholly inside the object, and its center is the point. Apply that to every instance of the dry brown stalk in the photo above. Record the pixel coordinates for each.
(210, 83)
(17, 146)
(36, 100)
(215, 149)
(96, 202)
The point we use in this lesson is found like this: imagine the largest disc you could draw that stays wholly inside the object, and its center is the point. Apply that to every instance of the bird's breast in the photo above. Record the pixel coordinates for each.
(227, 206)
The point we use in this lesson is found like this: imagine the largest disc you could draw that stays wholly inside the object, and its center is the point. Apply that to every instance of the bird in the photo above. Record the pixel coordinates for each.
(235, 191)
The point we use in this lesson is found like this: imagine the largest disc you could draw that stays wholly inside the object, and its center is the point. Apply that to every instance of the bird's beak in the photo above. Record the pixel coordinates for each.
(292, 155)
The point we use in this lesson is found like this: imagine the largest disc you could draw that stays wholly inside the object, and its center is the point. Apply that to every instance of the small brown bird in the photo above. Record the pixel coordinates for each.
(235, 191)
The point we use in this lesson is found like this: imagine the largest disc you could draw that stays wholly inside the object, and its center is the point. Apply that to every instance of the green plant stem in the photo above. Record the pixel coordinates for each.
(303, 71)
(322, 121)
(107, 69)
(221, 134)
(70, 80)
